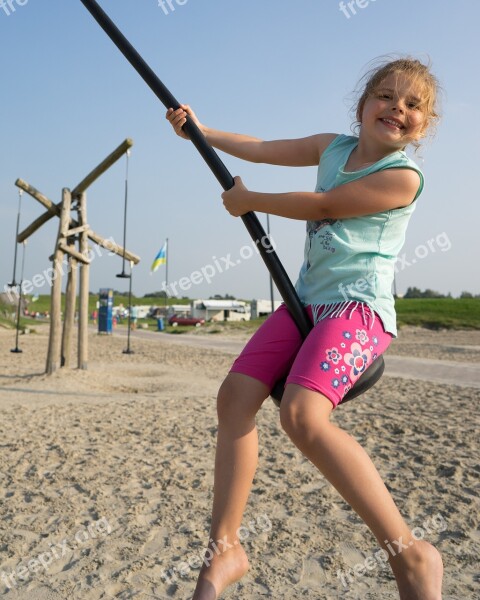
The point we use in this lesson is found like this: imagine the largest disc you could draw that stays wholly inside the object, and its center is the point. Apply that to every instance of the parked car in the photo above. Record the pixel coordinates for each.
(183, 320)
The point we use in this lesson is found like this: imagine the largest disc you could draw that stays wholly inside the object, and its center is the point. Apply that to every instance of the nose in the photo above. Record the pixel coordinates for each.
(398, 106)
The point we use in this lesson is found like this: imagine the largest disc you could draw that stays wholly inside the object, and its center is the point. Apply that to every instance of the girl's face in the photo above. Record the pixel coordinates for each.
(393, 114)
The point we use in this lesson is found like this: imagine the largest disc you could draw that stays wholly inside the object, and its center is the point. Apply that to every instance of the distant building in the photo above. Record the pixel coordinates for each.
(262, 308)
(221, 310)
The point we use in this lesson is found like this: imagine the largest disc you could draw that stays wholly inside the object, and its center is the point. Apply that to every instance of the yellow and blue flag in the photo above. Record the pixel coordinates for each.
(160, 259)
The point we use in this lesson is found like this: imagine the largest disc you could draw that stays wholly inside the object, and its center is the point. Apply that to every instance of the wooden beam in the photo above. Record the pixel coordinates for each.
(55, 209)
(52, 209)
(76, 230)
(32, 228)
(102, 167)
(113, 247)
(47, 203)
(109, 245)
(70, 250)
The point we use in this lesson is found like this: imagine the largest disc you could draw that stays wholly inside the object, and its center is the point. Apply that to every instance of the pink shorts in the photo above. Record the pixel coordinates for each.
(330, 360)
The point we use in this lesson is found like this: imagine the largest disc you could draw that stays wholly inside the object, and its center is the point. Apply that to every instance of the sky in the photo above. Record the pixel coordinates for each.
(271, 68)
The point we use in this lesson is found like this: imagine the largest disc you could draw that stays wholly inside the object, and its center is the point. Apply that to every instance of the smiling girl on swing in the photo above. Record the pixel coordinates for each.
(356, 218)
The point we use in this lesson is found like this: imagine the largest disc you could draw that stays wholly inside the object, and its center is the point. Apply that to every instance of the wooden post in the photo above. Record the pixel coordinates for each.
(84, 287)
(70, 307)
(54, 344)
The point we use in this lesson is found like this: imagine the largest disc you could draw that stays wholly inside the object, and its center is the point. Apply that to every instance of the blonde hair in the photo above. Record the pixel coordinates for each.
(419, 74)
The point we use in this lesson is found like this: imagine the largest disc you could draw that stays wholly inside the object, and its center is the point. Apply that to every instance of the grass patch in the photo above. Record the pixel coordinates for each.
(179, 329)
(7, 323)
(24, 324)
(439, 313)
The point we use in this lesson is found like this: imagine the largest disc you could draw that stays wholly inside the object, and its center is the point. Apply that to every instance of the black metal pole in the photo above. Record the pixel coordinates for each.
(128, 350)
(17, 350)
(14, 283)
(250, 220)
(123, 274)
(271, 280)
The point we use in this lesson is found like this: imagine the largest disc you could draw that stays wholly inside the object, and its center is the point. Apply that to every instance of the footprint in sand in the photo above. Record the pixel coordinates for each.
(350, 554)
(313, 575)
(156, 542)
(40, 593)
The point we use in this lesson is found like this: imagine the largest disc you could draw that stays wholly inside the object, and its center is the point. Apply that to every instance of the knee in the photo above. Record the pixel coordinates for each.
(292, 418)
(303, 416)
(239, 398)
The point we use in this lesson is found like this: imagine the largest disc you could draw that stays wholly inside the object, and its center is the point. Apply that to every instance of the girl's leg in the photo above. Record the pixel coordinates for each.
(305, 417)
(239, 399)
(267, 356)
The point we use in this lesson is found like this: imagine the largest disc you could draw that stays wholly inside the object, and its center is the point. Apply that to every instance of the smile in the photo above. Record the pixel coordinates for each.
(392, 123)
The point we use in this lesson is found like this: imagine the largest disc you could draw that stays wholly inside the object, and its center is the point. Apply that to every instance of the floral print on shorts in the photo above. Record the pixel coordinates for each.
(356, 357)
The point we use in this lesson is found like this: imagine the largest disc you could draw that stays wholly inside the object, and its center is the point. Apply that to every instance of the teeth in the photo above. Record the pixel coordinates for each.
(392, 123)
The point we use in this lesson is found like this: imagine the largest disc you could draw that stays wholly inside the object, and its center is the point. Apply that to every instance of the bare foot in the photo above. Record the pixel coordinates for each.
(419, 572)
(220, 571)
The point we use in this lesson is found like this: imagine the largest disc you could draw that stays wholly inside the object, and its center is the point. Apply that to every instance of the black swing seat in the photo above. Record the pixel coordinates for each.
(363, 383)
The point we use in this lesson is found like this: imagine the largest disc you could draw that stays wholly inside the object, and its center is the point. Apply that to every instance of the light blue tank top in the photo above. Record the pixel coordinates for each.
(351, 262)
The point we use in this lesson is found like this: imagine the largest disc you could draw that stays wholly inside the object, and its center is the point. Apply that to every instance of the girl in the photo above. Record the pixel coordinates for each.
(356, 221)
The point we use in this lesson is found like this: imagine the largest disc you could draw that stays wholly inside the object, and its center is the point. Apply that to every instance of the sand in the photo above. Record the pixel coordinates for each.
(106, 476)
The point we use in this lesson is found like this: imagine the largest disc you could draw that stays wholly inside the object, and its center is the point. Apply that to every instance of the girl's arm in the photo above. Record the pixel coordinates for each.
(378, 192)
(301, 152)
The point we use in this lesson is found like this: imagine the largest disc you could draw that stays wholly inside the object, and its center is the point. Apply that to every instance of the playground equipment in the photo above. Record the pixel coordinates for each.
(71, 231)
